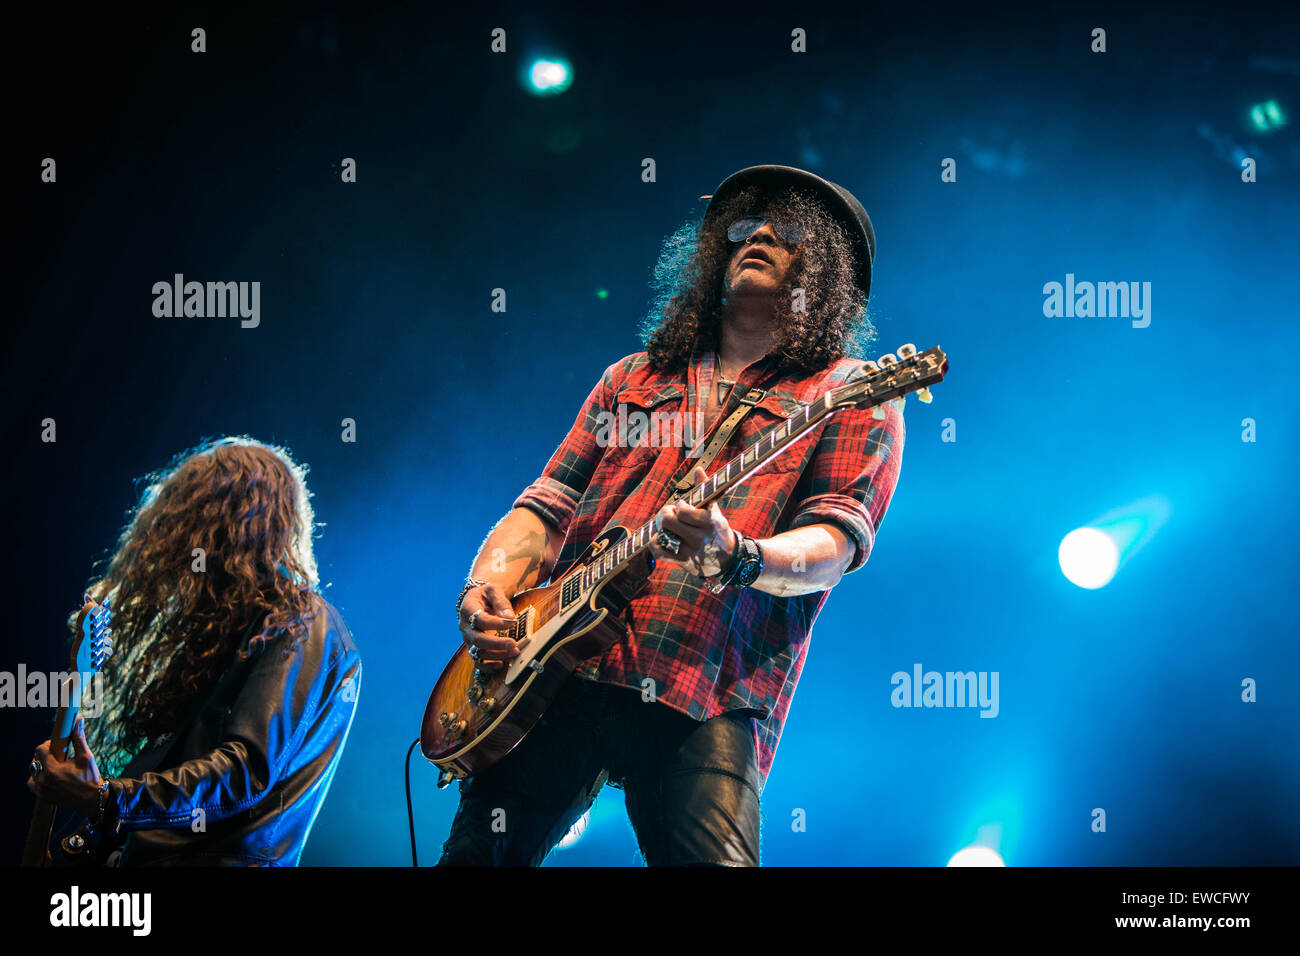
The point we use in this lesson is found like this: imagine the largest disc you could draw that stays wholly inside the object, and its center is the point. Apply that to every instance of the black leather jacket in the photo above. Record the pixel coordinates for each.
(243, 784)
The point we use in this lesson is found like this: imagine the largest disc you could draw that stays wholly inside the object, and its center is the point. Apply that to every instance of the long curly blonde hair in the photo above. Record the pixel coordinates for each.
(180, 614)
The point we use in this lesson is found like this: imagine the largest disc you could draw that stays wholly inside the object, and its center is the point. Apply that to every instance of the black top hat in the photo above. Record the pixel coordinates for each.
(838, 200)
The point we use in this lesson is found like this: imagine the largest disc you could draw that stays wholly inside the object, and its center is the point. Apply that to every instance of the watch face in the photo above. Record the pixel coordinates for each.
(749, 572)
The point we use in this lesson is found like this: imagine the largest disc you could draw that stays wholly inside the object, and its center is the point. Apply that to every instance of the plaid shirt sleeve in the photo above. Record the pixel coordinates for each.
(555, 494)
(851, 477)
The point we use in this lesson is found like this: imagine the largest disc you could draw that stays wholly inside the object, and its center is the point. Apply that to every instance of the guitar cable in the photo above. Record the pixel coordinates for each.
(410, 813)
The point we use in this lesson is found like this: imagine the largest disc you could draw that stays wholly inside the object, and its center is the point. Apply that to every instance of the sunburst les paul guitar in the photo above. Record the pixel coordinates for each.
(91, 645)
(475, 717)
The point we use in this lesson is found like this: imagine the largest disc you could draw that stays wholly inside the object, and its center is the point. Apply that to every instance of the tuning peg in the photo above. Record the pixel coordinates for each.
(906, 351)
(923, 395)
(888, 359)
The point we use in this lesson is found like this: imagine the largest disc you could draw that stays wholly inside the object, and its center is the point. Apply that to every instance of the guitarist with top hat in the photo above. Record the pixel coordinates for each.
(761, 308)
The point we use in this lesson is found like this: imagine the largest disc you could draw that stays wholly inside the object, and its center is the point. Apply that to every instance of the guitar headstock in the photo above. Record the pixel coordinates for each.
(93, 642)
(892, 376)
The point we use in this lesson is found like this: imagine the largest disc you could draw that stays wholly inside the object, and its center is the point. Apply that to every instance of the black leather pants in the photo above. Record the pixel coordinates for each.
(691, 786)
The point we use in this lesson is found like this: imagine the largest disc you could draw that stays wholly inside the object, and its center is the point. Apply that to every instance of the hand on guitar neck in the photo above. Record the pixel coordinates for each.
(72, 783)
(705, 539)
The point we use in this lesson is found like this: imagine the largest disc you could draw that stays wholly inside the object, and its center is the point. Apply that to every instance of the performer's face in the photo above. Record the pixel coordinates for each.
(759, 264)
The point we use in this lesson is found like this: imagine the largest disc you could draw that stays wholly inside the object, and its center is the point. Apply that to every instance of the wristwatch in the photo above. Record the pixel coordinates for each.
(749, 564)
(743, 569)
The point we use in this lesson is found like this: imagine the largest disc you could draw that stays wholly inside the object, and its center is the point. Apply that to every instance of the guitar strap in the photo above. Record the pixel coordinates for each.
(682, 484)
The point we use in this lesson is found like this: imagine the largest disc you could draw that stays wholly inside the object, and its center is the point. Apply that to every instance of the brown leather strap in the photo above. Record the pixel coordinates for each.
(683, 483)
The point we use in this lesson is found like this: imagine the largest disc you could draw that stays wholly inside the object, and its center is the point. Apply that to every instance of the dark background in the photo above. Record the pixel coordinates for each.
(1120, 166)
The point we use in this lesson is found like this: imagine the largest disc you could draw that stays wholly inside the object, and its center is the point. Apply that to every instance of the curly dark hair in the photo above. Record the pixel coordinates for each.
(688, 280)
(177, 630)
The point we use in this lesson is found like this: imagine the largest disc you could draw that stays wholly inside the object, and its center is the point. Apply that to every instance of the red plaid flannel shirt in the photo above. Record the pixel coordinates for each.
(742, 650)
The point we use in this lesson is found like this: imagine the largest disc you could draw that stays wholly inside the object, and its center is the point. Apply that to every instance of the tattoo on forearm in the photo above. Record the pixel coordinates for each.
(531, 546)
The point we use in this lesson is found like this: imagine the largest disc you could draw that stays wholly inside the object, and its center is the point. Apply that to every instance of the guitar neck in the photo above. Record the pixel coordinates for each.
(37, 848)
(771, 444)
(891, 378)
(90, 649)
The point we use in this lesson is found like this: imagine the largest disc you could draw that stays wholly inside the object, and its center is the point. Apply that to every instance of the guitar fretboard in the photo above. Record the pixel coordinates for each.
(769, 445)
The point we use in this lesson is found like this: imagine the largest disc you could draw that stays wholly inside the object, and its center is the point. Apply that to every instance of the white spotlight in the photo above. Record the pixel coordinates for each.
(1088, 557)
(976, 856)
(550, 76)
(575, 832)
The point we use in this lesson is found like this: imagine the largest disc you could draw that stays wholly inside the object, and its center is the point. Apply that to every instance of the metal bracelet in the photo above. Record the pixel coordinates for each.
(103, 803)
(470, 584)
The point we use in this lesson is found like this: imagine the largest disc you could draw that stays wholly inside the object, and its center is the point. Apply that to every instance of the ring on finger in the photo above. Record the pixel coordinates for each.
(670, 542)
(474, 617)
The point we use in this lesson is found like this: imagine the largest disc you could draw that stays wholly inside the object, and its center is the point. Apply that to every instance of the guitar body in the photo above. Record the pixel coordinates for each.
(36, 852)
(80, 845)
(473, 718)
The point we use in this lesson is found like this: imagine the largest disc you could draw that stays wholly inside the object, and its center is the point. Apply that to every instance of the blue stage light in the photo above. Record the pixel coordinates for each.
(1091, 555)
(548, 77)
(1267, 117)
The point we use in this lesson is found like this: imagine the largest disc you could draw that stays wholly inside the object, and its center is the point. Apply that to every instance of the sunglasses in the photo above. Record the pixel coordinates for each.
(742, 229)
